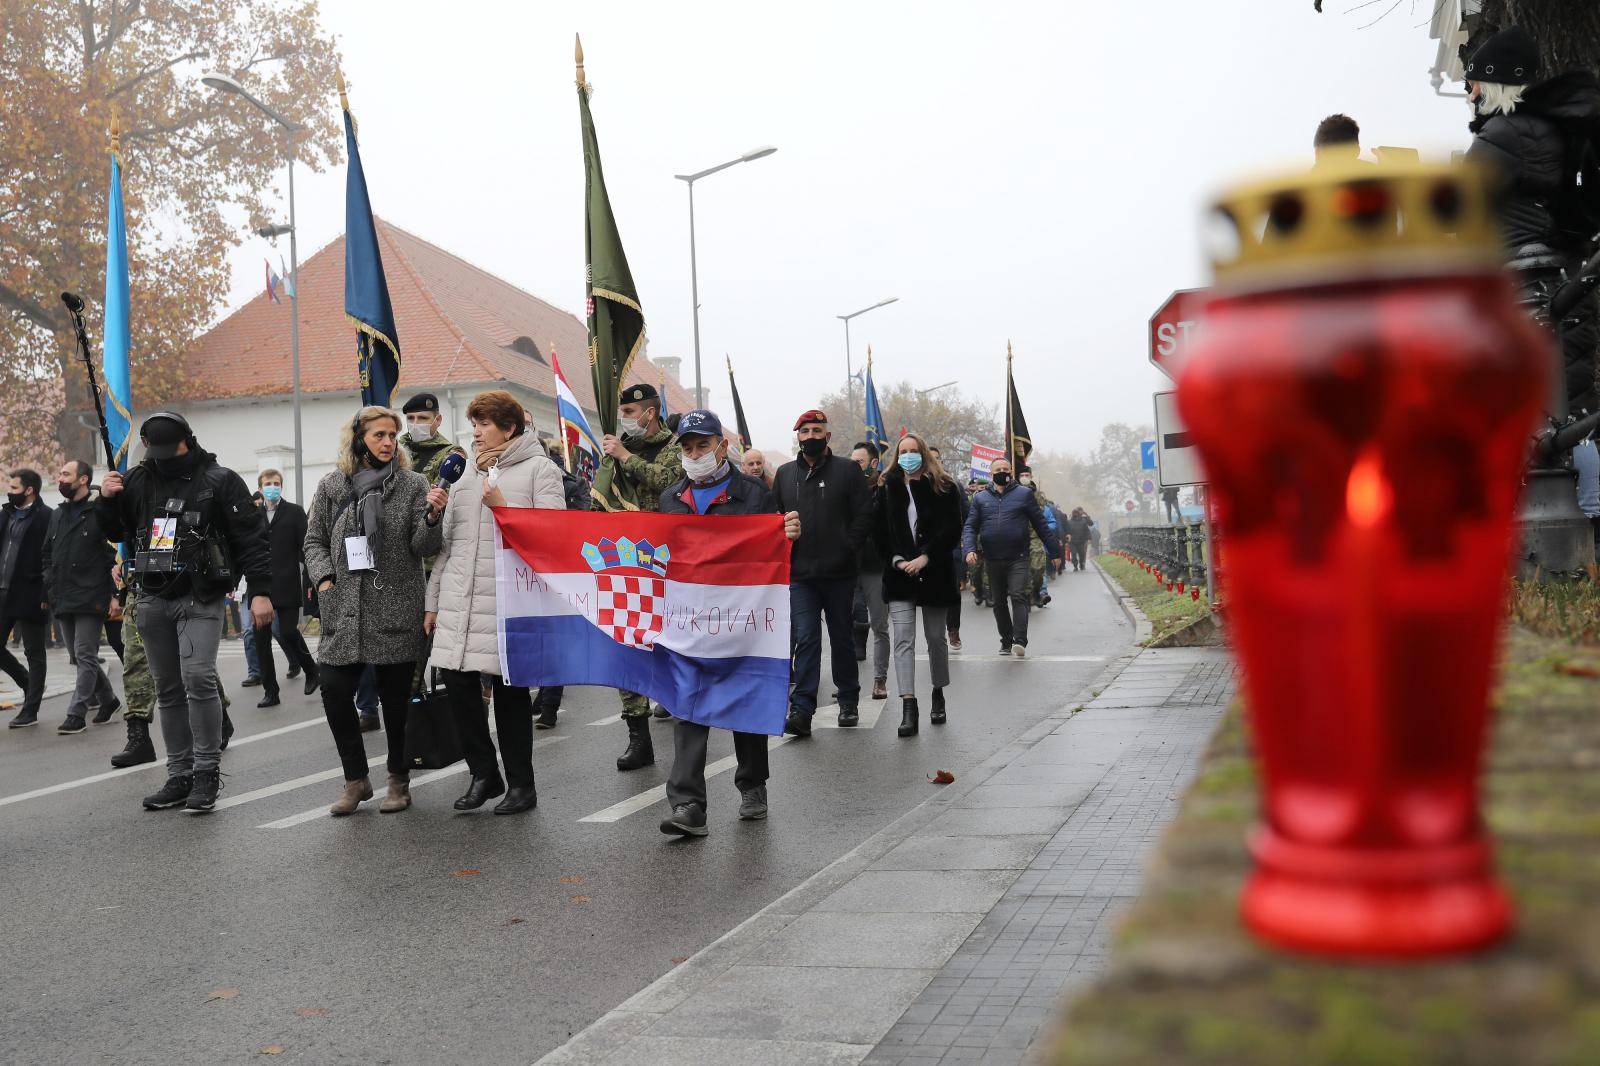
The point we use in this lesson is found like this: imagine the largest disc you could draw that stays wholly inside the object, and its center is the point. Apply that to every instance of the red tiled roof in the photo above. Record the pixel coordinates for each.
(456, 325)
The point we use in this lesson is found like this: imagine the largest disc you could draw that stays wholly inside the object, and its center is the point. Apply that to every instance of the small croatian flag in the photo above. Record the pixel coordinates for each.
(690, 610)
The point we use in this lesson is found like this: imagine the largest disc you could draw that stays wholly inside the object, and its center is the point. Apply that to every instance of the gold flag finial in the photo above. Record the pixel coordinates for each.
(577, 54)
(1008, 351)
(116, 133)
(869, 357)
(344, 100)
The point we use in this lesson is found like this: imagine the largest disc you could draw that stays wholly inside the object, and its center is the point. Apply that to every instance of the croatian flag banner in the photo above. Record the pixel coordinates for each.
(690, 610)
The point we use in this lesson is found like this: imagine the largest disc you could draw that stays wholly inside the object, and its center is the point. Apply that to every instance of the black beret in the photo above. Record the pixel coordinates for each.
(638, 394)
(422, 401)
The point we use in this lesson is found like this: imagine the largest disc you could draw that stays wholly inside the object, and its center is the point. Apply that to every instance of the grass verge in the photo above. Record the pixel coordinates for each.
(1167, 611)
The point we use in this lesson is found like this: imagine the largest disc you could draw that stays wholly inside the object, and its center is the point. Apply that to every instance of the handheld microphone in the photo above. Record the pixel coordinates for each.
(450, 471)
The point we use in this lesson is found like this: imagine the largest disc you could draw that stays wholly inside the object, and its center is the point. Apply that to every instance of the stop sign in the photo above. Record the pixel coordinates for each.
(1172, 330)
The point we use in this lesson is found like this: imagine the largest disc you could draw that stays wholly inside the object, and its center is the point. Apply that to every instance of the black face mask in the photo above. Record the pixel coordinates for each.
(813, 447)
(17, 498)
(1001, 480)
(177, 466)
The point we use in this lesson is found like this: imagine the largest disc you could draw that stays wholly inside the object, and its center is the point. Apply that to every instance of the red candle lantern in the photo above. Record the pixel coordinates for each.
(1169, 586)
(1362, 393)
(1194, 594)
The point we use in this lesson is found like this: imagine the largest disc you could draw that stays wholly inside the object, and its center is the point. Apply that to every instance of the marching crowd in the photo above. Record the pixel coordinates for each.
(398, 565)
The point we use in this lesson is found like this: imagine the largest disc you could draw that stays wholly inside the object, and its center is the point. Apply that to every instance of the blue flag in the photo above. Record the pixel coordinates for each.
(366, 292)
(119, 394)
(877, 436)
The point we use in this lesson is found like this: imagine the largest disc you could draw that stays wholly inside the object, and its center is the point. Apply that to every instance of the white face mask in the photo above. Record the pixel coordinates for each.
(628, 427)
(701, 466)
(419, 431)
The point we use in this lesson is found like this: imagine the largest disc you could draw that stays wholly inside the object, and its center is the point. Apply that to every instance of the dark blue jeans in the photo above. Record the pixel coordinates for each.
(810, 602)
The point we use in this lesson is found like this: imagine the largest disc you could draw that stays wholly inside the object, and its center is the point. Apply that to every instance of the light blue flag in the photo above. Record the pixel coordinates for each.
(119, 390)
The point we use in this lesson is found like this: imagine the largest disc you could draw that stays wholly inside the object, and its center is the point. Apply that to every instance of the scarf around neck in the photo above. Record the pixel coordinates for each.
(366, 488)
(487, 457)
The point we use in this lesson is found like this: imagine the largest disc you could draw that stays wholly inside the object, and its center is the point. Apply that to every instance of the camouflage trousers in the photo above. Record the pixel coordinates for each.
(138, 688)
(978, 575)
(634, 705)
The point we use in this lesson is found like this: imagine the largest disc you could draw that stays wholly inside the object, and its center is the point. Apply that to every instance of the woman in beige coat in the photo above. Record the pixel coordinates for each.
(510, 469)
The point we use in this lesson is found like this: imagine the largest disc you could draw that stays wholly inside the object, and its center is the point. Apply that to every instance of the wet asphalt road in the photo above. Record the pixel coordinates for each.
(430, 936)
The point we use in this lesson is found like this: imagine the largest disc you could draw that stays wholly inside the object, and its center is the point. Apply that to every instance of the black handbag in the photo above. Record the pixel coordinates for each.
(432, 742)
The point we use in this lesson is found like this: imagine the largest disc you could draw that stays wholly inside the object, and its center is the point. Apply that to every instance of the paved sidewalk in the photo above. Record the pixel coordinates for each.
(953, 934)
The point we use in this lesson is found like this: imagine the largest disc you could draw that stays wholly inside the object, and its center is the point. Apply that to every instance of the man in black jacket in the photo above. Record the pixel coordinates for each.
(286, 534)
(193, 528)
(77, 574)
(835, 507)
(711, 486)
(869, 613)
(24, 520)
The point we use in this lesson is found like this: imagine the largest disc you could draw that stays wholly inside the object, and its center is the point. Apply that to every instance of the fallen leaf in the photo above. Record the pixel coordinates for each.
(573, 880)
(943, 777)
(1578, 669)
(312, 1012)
(467, 873)
(680, 959)
(223, 993)
(580, 899)
(274, 1049)
(515, 921)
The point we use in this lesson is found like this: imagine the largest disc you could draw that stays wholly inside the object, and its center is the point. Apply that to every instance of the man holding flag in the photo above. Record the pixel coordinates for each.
(710, 486)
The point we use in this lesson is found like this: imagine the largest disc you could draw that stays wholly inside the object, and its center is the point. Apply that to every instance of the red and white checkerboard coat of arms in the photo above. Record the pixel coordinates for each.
(630, 579)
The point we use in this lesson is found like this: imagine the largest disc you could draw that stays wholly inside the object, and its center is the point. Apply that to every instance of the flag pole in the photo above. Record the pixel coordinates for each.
(1011, 440)
(577, 54)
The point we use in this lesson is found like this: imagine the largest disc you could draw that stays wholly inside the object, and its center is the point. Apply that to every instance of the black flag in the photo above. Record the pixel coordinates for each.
(1019, 443)
(738, 407)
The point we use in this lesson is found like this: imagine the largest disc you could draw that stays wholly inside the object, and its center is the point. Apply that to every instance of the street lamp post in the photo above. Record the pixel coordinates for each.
(226, 84)
(694, 270)
(849, 370)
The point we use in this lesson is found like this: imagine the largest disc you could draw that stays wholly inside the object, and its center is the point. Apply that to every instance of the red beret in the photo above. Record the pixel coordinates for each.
(812, 415)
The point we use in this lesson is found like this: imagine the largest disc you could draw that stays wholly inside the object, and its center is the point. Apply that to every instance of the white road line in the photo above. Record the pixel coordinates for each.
(607, 721)
(159, 764)
(416, 780)
(288, 786)
(650, 797)
(828, 717)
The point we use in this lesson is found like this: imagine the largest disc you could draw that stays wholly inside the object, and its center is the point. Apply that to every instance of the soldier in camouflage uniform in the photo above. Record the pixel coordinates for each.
(427, 448)
(1038, 558)
(645, 460)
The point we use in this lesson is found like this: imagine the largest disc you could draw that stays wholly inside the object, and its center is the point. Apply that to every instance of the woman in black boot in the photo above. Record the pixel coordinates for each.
(918, 527)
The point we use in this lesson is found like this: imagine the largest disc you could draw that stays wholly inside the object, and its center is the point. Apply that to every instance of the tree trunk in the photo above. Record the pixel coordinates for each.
(1568, 31)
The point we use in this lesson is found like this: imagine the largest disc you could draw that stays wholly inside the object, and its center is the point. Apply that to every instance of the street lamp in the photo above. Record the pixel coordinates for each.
(225, 84)
(849, 372)
(936, 388)
(694, 273)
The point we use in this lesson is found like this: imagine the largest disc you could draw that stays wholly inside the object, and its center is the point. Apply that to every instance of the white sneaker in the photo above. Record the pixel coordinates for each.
(1019, 651)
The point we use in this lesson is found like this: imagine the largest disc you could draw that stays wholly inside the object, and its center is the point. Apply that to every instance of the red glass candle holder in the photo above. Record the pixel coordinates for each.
(1362, 394)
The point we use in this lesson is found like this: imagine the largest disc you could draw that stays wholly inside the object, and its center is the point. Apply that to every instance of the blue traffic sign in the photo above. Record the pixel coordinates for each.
(1147, 455)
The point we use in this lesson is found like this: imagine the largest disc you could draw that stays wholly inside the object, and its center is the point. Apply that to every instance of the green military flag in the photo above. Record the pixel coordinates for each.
(616, 321)
(1018, 441)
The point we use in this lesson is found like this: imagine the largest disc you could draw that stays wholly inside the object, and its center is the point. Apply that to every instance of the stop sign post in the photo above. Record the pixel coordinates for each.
(1172, 328)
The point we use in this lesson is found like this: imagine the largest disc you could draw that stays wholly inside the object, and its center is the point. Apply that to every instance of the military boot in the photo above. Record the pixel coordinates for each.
(139, 749)
(641, 752)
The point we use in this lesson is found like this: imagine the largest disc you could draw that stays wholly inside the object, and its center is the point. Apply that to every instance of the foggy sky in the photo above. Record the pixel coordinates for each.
(1030, 171)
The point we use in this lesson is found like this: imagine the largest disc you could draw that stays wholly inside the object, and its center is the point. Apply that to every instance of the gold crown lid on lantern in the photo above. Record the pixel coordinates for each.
(1354, 219)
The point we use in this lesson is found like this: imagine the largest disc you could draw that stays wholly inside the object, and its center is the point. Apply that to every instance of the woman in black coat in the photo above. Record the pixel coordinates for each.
(918, 526)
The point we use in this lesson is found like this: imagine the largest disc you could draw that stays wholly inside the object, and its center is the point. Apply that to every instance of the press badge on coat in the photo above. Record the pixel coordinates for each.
(358, 553)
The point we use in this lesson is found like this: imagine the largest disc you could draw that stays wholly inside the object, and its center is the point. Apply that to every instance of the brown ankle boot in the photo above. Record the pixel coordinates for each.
(354, 793)
(399, 797)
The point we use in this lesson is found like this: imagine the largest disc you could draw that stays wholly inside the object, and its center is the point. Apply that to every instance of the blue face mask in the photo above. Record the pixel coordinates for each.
(910, 462)
(272, 493)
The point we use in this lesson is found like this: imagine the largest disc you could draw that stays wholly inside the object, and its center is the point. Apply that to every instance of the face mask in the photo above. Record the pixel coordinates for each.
(17, 499)
(630, 427)
(1001, 480)
(1025, 480)
(813, 447)
(910, 462)
(272, 493)
(419, 431)
(67, 488)
(701, 466)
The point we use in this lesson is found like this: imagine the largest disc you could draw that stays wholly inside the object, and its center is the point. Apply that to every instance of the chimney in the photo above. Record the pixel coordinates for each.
(672, 366)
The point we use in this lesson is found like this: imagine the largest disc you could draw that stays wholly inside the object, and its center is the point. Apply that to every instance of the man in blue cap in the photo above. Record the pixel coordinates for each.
(712, 485)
